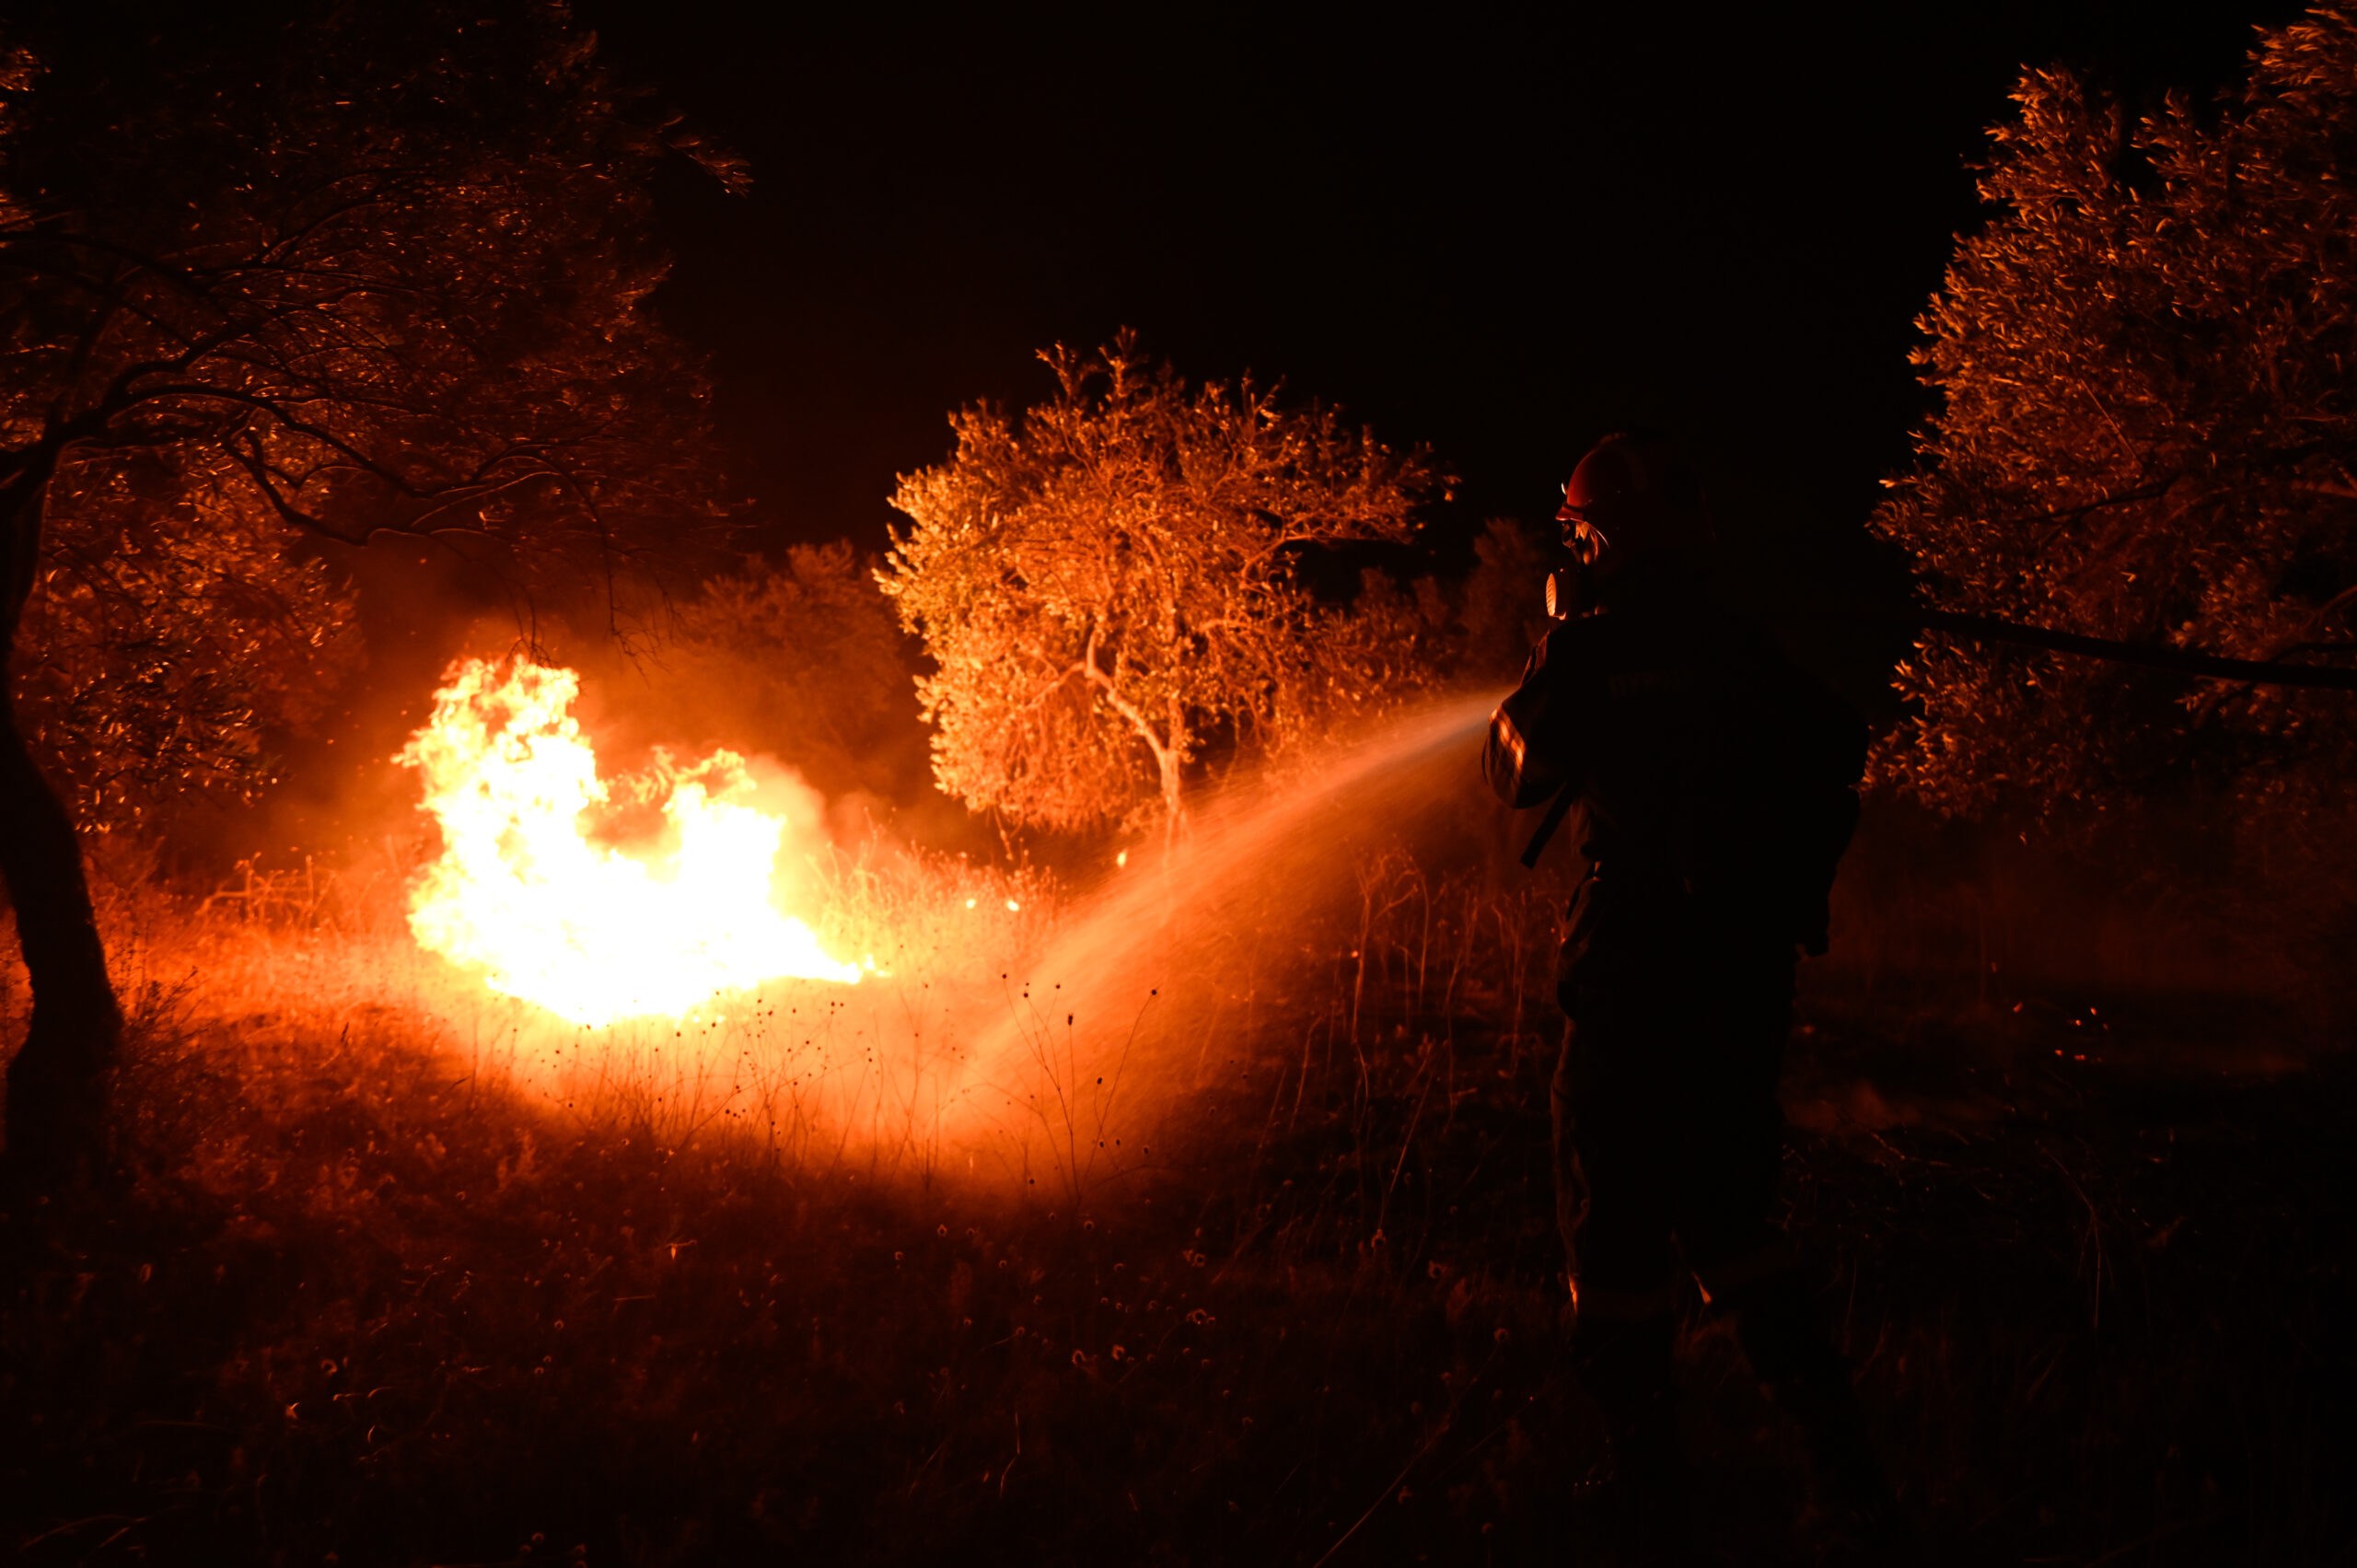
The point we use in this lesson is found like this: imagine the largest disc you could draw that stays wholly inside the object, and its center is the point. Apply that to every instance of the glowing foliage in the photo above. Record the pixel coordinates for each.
(585, 930)
(258, 289)
(165, 647)
(1109, 577)
(2146, 434)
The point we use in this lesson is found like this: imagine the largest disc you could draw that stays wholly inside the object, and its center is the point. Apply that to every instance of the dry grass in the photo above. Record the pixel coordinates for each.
(351, 1294)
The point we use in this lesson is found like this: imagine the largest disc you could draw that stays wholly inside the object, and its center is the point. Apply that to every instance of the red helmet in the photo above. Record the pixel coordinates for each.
(1622, 483)
(1608, 476)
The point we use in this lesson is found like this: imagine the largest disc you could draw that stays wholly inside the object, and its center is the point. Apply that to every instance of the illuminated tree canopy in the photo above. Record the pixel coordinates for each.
(356, 282)
(1110, 578)
(166, 641)
(2146, 434)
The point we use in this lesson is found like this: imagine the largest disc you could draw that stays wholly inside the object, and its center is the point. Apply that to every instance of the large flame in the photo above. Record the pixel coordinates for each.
(589, 932)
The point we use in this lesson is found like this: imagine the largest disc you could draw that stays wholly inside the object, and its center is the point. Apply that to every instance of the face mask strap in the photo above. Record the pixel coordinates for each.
(1588, 542)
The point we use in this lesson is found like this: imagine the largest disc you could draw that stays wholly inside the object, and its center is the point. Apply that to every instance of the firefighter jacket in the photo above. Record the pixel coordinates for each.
(1713, 783)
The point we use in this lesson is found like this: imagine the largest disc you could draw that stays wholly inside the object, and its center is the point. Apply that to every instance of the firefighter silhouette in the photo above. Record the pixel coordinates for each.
(1709, 785)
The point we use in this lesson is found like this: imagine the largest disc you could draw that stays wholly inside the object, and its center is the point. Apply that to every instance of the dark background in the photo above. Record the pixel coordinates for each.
(1500, 235)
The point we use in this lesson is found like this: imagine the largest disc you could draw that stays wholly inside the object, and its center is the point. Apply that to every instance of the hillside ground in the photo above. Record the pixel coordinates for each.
(340, 1301)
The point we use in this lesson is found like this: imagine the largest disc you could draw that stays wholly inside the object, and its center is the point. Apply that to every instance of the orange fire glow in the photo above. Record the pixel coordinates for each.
(587, 931)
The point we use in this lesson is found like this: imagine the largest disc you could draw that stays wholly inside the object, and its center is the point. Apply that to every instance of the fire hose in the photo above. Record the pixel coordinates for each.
(1990, 629)
(2183, 661)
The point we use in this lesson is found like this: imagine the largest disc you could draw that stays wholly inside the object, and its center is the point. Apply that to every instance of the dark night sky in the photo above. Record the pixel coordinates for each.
(1500, 235)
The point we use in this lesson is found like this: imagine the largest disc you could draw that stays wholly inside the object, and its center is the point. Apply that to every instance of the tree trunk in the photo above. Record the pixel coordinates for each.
(1168, 759)
(1170, 802)
(56, 1084)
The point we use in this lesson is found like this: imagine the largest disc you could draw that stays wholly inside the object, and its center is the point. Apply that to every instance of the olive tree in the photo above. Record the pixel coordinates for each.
(2145, 433)
(1109, 578)
(169, 639)
(360, 270)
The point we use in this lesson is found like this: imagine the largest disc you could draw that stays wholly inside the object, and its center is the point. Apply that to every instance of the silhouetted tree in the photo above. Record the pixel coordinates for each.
(343, 268)
(1503, 613)
(800, 656)
(1107, 578)
(2146, 432)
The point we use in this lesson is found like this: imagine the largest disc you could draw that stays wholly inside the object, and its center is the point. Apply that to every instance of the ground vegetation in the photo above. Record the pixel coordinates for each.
(349, 1296)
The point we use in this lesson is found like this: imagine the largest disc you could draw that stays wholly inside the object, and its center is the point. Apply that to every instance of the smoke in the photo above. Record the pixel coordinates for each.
(1004, 1038)
(1124, 1005)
